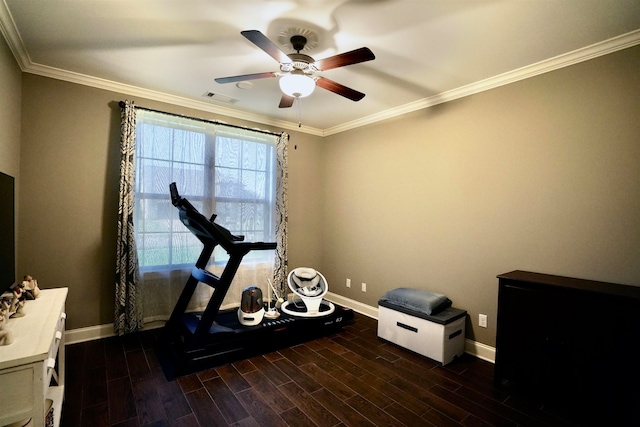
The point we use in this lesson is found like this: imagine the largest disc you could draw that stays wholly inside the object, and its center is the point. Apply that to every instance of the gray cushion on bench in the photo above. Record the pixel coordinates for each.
(417, 299)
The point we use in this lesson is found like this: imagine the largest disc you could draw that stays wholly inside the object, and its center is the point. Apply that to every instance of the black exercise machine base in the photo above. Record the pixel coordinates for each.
(228, 341)
(192, 342)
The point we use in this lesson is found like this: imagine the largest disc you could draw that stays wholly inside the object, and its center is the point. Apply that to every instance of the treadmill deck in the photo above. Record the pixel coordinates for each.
(229, 341)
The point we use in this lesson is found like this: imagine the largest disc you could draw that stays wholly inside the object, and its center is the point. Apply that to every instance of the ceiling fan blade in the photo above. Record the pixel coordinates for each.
(342, 90)
(243, 77)
(286, 101)
(348, 58)
(260, 40)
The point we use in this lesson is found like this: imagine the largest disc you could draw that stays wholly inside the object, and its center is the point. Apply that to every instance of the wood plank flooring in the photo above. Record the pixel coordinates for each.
(349, 379)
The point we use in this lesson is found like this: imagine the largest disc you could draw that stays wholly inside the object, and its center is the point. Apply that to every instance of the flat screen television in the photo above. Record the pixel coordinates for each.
(7, 233)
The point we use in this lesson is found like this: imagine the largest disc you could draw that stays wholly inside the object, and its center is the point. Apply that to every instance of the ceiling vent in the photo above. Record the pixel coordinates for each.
(220, 98)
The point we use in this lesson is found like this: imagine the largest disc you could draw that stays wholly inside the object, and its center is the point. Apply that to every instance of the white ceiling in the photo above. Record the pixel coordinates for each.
(427, 51)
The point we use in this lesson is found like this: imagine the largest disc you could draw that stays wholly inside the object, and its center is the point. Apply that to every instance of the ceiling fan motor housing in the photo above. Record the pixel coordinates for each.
(298, 42)
(301, 62)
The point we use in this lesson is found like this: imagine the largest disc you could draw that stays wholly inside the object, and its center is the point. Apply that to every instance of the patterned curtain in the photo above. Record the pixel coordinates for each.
(282, 215)
(128, 314)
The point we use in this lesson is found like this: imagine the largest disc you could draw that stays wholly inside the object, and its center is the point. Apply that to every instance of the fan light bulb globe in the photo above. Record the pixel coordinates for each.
(297, 85)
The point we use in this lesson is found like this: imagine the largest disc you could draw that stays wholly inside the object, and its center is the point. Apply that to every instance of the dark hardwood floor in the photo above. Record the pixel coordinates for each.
(349, 379)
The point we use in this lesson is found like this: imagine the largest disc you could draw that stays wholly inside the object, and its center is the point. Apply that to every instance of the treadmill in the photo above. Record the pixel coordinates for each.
(193, 341)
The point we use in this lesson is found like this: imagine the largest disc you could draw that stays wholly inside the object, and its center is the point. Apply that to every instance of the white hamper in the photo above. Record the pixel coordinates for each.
(439, 336)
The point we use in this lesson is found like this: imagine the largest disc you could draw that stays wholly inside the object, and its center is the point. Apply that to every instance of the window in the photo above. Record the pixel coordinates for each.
(219, 169)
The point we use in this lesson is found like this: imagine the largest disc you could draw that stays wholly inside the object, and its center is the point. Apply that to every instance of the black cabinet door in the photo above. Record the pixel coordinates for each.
(525, 333)
(572, 343)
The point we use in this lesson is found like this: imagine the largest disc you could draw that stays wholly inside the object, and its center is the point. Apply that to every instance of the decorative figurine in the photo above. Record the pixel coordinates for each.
(19, 309)
(5, 303)
(17, 295)
(31, 289)
(17, 303)
(6, 337)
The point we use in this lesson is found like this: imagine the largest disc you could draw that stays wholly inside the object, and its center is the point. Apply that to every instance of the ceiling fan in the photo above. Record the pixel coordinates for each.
(297, 70)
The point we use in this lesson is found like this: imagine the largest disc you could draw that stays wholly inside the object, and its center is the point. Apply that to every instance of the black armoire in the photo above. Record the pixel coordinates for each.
(572, 344)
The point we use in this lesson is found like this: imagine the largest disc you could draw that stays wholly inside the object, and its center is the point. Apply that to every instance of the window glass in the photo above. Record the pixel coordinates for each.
(221, 170)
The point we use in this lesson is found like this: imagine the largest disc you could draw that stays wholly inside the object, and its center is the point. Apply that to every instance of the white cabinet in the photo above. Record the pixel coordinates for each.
(32, 367)
(439, 336)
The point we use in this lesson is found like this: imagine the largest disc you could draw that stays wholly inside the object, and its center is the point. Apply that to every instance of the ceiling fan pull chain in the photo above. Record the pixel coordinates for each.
(299, 108)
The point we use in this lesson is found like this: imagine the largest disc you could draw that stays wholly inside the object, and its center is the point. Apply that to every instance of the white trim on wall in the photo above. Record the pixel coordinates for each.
(74, 336)
(565, 60)
(356, 306)
(8, 30)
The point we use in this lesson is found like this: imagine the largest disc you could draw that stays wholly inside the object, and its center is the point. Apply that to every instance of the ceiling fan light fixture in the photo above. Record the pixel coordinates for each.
(297, 84)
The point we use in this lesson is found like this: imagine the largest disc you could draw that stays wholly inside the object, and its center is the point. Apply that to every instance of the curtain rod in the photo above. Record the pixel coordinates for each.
(122, 104)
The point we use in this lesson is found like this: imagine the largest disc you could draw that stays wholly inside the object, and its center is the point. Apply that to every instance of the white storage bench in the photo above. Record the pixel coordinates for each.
(438, 336)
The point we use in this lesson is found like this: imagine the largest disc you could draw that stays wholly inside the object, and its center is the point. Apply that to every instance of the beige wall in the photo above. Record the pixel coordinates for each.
(70, 153)
(10, 92)
(540, 175)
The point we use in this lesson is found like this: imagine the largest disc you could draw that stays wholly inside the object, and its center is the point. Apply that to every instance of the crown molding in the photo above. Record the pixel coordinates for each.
(10, 33)
(130, 90)
(565, 60)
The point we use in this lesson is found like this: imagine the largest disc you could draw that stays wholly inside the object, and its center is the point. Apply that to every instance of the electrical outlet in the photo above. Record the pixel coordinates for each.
(348, 283)
(364, 287)
(482, 320)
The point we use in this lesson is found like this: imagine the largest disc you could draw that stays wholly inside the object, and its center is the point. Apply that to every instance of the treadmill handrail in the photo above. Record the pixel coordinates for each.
(208, 231)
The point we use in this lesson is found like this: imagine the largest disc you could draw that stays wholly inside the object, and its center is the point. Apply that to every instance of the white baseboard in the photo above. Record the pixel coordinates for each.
(74, 336)
(479, 350)
(474, 348)
(356, 306)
